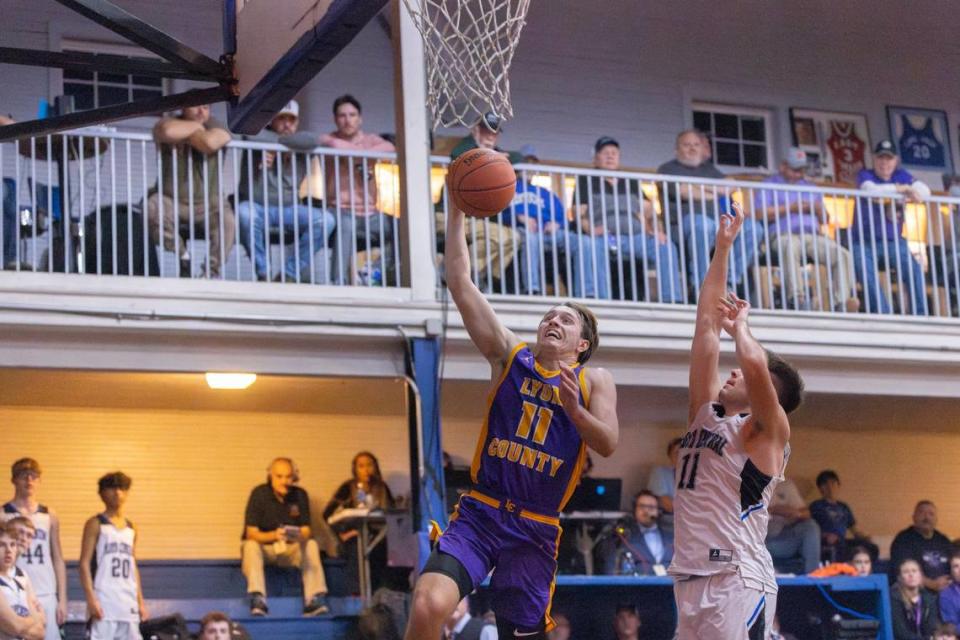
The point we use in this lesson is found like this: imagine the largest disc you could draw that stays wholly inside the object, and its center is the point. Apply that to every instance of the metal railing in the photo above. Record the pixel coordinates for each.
(105, 202)
(615, 235)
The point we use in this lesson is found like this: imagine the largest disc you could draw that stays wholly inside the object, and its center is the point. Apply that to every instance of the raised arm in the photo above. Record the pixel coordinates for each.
(705, 350)
(493, 339)
(59, 568)
(597, 424)
(88, 547)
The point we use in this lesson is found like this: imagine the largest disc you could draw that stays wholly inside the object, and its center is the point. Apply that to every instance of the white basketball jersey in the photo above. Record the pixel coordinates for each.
(15, 593)
(720, 507)
(36, 561)
(115, 572)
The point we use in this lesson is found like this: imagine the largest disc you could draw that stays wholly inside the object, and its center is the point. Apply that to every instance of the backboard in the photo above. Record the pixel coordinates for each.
(278, 47)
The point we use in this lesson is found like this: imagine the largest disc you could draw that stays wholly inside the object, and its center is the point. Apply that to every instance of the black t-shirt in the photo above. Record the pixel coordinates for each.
(621, 204)
(933, 555)
(267, 513)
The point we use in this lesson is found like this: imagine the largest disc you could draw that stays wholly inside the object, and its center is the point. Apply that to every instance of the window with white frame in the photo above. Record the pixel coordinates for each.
(739, 136)
(94, 89)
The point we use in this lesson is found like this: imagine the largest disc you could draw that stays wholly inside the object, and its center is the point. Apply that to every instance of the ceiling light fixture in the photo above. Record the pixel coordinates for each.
(230, 380)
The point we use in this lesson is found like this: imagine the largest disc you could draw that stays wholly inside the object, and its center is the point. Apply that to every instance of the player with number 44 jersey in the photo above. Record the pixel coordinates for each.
(731, 458)
(108, 566)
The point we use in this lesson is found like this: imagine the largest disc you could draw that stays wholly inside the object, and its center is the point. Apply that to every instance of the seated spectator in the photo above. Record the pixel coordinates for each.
(663, 484)
(913, 609)
(861, 560)
(376, 622)
(215, 626)
(562, 629)
(876, 233)
(351, 189)
(641, 547)
(950, 595)
(189, 187)
(108, 566)
(462, 626)
(792, 535)
(495, 242)
(19, 617)
(923, 543)
(620, 220)
(837, 524)
(793, 226)
(272, 199)
(541, 221)
(945, 631)
(365, 489)
(277, 531)
(626, 622)
(698, 212)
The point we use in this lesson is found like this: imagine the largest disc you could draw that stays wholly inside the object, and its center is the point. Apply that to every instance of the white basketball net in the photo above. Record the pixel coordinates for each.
(469, 46)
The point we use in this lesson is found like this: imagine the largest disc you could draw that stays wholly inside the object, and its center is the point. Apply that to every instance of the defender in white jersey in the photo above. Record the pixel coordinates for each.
(20, 616)
(43, 561)
(731, 458)
(108, 567)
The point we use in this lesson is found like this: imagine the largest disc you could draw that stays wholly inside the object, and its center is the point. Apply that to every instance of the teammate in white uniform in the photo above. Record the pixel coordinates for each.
(733, 454)
(18, 619)
(43, 561)
(108, 567)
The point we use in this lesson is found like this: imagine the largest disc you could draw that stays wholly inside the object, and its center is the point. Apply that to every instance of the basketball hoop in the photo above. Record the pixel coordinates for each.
(469, 45)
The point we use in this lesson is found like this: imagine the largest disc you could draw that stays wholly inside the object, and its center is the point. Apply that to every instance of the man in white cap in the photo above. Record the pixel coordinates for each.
(794, 220)
(268, 198)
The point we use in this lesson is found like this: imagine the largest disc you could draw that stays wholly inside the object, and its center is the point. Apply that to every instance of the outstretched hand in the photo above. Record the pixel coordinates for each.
(569, 390)
(730, 225)
(732, 311)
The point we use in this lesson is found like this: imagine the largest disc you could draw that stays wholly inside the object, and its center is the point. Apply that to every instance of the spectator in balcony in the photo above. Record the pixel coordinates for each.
(562, 630)
(876, 234)
(794, 221)
(616, 218)
(364, 490)
(462, 626)
(913, 609)
(626, 622)
(861, 560)
(215, 626)
(277, 531)
(272, 198)
(793, 537)
(950, 595)
(538, 216)
(9, 214)
(188, 191)
(351, 190)
(924, 544)
(837, 525)
(663, 484)
(698, 212)
(640, 547)
(496, 242)
(945, 631)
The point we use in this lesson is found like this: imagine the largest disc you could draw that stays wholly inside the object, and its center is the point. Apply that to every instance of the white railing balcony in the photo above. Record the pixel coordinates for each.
(109, 203)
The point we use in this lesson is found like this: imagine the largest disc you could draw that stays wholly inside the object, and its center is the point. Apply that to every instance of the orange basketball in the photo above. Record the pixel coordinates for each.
(482, 182)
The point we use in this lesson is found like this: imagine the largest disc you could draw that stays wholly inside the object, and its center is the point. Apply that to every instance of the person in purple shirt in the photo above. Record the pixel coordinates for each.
(876, 234)
(950, 596)
(793, 227)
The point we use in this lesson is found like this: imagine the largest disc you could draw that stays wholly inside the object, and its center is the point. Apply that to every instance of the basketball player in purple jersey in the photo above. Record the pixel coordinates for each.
(544, 409)
(731, 458)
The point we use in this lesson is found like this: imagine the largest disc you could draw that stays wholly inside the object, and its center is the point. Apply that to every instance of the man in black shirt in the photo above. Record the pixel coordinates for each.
(277, 530)
(923, 543)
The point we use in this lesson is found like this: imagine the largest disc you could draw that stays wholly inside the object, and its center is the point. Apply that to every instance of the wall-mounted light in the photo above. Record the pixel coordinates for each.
(230, 380)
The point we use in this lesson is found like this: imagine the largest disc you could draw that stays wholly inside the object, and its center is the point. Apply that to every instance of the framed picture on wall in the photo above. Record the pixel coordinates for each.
(922, 138)
(837, 142)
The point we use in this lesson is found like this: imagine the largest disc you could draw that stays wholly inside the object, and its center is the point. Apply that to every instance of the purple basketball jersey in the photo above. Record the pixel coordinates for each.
(529, 450)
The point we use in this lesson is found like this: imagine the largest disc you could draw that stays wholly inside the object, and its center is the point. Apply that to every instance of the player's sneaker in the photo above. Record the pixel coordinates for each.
(258, 605)
(317, 606)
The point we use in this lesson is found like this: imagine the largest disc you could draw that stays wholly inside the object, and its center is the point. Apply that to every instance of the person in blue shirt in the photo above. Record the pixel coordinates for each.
(876, 234)
(642, 547)
(838, 527)
(539, 217)
(793, 220)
